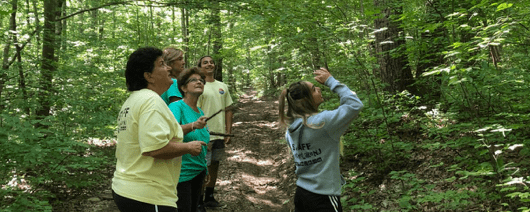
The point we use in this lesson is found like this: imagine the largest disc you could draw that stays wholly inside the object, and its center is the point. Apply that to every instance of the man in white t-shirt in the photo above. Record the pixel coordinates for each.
(214, 98)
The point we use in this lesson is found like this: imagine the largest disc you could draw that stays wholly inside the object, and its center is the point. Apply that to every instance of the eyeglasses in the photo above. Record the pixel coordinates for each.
(195, 80)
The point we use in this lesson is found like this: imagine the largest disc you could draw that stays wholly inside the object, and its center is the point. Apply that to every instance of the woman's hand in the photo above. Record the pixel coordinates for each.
(195, 147)
(200, 123)
(321, 75)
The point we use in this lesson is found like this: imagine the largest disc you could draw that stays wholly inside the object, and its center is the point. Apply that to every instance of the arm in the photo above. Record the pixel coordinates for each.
(228, 122)
(338, 120)
(154, 129)
(174, 149)
(199, 124)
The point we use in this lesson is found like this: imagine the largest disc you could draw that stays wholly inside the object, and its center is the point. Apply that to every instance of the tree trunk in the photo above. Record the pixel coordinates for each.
(11, 38)
(390, 51)
(495, 53)
(184, 23)
(315, 53)
(217, 40)
(271, 68)
(37, 21)
(113, 33)
(101, 28)
(61, 31)
(48, 65)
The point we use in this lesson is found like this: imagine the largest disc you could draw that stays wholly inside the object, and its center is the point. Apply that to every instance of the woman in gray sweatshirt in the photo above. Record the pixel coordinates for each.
(314, 139)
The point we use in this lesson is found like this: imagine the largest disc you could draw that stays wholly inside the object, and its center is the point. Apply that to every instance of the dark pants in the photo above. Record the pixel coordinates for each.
(130, 205)
(189, 193)
(305, 200)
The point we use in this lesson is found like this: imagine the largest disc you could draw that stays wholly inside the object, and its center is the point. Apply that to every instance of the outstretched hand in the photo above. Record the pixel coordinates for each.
(321, 75)
(200, 123)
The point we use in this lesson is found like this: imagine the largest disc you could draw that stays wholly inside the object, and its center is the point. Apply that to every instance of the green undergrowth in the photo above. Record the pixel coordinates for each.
(408, 155)
(41, 167)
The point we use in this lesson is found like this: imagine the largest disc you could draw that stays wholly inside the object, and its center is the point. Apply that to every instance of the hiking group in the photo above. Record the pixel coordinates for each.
(173, 128)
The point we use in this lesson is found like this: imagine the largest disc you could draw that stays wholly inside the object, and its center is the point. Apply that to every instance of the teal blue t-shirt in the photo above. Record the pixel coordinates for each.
(172, 91)
(191, 165)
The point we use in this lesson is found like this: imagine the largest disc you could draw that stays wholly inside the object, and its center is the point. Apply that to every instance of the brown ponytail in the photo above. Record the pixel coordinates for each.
(300, 103)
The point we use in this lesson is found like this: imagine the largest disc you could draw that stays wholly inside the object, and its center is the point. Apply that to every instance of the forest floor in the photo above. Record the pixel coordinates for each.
(257, 175)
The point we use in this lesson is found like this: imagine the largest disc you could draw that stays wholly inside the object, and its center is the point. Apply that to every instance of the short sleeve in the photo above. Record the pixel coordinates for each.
(177, 112)
(153, 130)
(173, 91)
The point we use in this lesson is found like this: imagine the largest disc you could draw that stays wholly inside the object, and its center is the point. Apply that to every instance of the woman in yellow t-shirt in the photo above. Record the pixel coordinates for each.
(149, 146)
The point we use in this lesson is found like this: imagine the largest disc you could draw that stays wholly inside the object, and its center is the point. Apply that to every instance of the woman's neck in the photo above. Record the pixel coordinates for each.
(155, 88)
(191, 100)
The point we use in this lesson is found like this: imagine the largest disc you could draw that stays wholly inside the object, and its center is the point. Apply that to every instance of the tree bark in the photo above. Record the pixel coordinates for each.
(217, 40)
(184, 23)
(5, 62)
(48, 65)
(271, 67)
(390, 51)
(315, 53)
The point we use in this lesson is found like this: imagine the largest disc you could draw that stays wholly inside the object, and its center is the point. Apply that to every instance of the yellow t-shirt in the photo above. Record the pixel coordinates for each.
(215, 97)
(145, 123)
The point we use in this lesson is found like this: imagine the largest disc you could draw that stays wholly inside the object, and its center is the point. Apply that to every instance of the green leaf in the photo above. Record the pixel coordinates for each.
(3, 13)
(504, 6)
(404, 202)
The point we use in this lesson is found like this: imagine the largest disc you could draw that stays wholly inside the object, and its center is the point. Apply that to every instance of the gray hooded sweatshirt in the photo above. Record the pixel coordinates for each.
(316, 148)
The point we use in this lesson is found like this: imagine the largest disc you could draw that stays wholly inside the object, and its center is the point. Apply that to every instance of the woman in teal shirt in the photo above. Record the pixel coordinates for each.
(191, 118)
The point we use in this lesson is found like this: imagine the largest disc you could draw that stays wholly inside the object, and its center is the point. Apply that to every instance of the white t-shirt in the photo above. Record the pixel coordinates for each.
(214, 98)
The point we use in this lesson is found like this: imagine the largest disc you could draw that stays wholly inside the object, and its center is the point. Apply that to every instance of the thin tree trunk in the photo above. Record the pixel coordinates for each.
(28, 21)
(62, 24)
(271, 68)
(279, 75)
(37, 23)
(5, 62)
(315, 53)
(217, 40)
(151, 21)
(101, 28)
(138, 24)
(48, 60)
(18, 48)
(22, 78)
(249, 63)
(112, 32)
(173, 27)
(183, 22)
(495, 54)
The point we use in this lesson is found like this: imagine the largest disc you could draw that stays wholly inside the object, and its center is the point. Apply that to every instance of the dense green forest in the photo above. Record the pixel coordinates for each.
(445, 85)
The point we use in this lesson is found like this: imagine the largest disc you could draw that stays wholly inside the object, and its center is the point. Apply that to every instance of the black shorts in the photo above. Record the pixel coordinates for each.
(217, 153)
(129, 205)
(306, 201)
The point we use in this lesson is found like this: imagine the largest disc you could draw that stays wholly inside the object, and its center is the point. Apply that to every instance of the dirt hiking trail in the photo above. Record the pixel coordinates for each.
(258, 174)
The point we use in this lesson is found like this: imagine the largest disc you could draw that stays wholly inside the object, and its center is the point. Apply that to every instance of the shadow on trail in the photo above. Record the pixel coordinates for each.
(258, 174)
